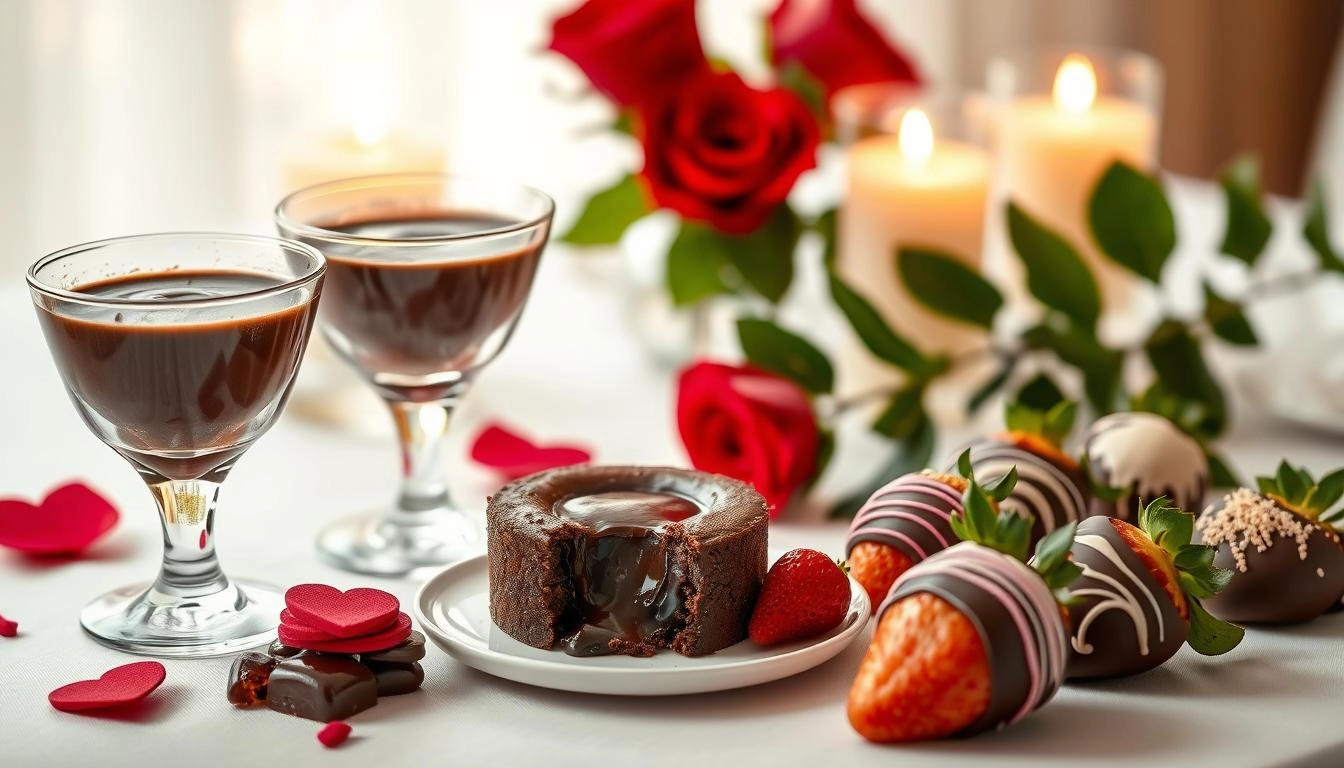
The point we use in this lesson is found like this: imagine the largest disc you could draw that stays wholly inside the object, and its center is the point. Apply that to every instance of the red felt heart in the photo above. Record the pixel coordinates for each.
(117, 687)
(8, 628)
(377, 641)
(342, 614)
(334, 734)
(300, 631)
(67, 521)
(514, 456)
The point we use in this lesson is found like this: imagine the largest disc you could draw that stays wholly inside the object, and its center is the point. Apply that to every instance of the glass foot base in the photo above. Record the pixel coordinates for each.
(374, 544)
(138, 619)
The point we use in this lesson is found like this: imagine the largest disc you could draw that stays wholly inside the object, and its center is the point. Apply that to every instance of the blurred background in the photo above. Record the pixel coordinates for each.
(216, 108)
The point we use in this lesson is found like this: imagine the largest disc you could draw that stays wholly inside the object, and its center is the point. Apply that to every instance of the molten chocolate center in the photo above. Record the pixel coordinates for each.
(627, 589)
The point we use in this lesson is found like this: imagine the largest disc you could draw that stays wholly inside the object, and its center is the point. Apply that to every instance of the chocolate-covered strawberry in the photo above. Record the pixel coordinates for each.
(904, 522)
(972, 638)
(1050, 486)
(1143, 456)
(1287, 561)
(1138, 598)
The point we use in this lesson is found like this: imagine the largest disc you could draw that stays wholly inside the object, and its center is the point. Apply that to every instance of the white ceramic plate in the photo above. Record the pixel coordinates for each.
(453, 609)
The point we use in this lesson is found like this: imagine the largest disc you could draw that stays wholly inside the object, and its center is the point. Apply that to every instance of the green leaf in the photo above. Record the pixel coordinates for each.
(1101, 367)
(1040, 394)
(947, 286)
(1211, 636)
(1056, 274)
(877, 336)
(1020, 417)
(625, 122)
(964, 466)
(797, 79)
(1317, 231)
(1059, 422)
(1221, 474)
(1052, 558)
(988, 389)
(904, 413)
(1193, 557)
(1328, 491)
(1132, 221)
(1179, 363)
(1290, 484)
(608, 213)
(909, 455)
(1169, 527)
(1248, 227)
(1003, 488)
(824, 226)
(764, 257)
(697, 264)
(1267, 485)
(774, 349)
(1227, 320)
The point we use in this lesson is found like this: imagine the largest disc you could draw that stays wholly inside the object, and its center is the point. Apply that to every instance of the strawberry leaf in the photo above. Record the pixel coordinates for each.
(1168, 527)
(1328, 491)
(1052, 558)
(1004, 487)
(1291, 485)
(964, 464)
(1005, 531)
(1211, 636)
(1022, 418)
(1059, 422)
(1266, 485)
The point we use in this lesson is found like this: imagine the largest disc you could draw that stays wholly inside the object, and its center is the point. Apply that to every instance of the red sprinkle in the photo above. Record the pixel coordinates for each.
(333, 734)
(8, 628)
(202, 539)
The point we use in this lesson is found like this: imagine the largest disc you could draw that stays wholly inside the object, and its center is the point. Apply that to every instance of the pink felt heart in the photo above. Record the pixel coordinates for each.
(67, 521)
(378, 641)
(8, 628)
(342, 614)
(117, 687)
(514, 456)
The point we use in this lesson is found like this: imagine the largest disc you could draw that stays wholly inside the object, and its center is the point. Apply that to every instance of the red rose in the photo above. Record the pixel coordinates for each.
(836, 44)
(750, 425)
(722, 152)
(632, 51)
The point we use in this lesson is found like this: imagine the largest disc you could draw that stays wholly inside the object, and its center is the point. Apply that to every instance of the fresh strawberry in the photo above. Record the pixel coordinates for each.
(805, 593)
(1138, 599)
(970, 638)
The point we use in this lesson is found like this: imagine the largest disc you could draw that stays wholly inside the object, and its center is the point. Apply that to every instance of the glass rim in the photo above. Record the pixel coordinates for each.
(317, 270)
(381, 180)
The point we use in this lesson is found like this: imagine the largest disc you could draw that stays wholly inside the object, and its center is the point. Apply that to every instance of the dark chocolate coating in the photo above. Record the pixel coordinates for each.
(281, 651)
(411, 649)
(719, 555)
(1050, 493)
(911, 513)
(1278, 586)
(396, 679)
(249, 678)
(957, 575)
(321, 687)
(1148, 456)
(1106, 639)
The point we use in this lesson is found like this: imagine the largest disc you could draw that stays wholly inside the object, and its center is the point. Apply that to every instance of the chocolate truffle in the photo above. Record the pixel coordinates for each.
(1016, 616)
(625, 559)
(248, 679)
(1122, 620)
(1048, 491)
(321, 687)
(395, 678)
(1147, 456)
(1286, 569)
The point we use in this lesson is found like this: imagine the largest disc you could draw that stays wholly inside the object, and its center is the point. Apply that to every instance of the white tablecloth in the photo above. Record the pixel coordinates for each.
(569, 372)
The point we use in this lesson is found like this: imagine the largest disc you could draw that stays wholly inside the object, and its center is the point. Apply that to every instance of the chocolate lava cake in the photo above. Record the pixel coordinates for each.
(605, 560)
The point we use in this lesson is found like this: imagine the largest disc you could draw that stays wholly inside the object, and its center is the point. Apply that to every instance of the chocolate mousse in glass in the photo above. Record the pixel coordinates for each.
(427, 277)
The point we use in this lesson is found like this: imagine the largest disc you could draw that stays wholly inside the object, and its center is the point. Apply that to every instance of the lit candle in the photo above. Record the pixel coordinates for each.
(370, 145)
(1053, 149)
(910, 189)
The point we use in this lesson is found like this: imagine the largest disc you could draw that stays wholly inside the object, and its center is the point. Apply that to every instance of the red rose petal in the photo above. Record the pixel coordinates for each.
(8, 628)
(513, 456)
(67, 521)
(342, 614)
(334, 734)
(378, 641)
(117, 687)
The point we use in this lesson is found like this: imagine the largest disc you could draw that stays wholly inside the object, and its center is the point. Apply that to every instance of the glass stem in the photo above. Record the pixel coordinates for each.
(187, 509)
(420, 429)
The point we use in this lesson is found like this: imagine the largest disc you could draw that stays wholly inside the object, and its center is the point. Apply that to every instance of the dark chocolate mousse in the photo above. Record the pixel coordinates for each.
(602, 560)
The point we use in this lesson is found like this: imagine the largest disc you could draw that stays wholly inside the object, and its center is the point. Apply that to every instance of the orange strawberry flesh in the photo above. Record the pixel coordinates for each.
(1157, 560)
(1041, 447)
(925, 675)
(877, 566)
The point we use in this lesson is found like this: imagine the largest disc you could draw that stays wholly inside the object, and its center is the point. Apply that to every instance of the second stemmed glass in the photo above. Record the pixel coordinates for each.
(427, 277)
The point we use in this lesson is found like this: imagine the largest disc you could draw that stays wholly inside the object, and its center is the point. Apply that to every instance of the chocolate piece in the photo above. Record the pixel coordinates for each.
(248, 679)
(321, 687)
(689, 581)
(910, 513)
(1014, 613)
(1122, 620)
(1285, 569)
(1148, 456)
(1049, 492)
(411, 649)
(281, 651)
(396, 679)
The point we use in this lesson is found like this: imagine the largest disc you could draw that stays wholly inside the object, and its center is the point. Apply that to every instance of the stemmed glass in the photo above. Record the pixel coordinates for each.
(427, 276)
(178, 351)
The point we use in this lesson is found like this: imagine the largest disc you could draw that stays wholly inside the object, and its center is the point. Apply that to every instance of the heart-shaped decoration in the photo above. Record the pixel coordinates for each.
(342, 614)
(8, 628)
(117, 687)
(67, 521)
(378, 641)
(513, 456)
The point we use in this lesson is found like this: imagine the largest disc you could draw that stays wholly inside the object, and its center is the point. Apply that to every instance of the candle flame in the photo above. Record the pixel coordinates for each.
(371, 121)
(916, 137)
(1075, 84)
